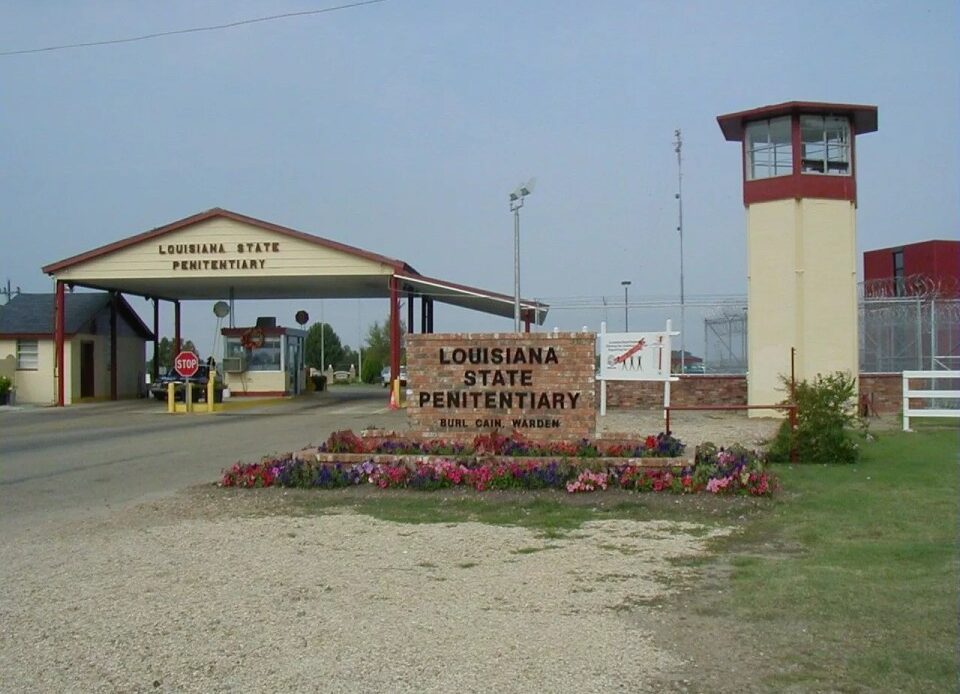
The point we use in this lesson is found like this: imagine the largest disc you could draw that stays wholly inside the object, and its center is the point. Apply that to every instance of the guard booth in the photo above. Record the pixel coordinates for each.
(265, 360)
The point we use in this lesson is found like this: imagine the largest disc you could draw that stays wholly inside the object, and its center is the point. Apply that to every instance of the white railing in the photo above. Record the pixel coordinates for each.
(909, 394)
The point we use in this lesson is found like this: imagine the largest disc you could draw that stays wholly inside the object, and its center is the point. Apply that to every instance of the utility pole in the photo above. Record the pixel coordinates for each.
(677, 145)
(8, 292)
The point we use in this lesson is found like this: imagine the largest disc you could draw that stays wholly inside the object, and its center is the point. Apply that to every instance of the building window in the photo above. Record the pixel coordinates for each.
(769, 150)
(263, 358)
(825, 142)
(898, 273)
(28, 358)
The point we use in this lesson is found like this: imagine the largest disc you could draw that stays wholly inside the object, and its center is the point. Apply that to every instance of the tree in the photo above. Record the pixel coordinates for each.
(376, 353)
(333, 351)
(378, 342)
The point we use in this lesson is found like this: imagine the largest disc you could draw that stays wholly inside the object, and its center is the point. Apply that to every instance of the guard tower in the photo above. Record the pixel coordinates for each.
(800, 191)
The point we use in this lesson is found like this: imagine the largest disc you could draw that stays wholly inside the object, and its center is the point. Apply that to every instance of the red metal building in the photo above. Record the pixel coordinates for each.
(924, 268)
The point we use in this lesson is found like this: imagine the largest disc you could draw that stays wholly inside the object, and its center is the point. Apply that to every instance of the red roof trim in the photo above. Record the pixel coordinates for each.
(53, 268)
(864, 117)
(267, 331)
(39, 336)
(800, 186)
(31, 336)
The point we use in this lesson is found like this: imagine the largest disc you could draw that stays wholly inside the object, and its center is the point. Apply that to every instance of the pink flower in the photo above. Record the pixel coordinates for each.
(718, 484)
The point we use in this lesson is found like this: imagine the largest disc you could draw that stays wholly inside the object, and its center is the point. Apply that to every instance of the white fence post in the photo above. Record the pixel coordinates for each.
(929, 394)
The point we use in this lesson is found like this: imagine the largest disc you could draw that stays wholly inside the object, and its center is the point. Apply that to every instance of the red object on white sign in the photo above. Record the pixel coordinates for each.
(186, 364)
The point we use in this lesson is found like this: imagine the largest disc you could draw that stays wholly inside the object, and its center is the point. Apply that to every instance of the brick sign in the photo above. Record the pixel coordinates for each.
(540, 384)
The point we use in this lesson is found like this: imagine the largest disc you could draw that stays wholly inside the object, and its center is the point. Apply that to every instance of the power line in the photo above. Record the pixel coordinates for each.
(192, 30)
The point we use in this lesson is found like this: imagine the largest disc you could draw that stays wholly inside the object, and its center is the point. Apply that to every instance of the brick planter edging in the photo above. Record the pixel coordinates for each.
(474, 460)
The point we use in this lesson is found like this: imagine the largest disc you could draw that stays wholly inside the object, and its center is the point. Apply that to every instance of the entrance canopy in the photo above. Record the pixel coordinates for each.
(219, 254)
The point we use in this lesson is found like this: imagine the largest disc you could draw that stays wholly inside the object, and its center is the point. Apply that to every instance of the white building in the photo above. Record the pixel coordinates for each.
(95, 367)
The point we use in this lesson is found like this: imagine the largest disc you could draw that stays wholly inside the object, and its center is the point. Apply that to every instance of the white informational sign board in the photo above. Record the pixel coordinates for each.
(635, 357)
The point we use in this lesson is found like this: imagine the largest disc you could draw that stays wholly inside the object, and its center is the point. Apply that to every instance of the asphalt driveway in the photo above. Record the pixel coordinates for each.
(67, 463)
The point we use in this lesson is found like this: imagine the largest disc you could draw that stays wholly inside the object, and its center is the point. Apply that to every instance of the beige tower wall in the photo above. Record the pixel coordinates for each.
(801, 265)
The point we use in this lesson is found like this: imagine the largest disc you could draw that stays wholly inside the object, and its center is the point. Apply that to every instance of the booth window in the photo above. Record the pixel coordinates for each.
(263, 358)
(769, 150)
(266, 357)
(27, 355)
(825, 144)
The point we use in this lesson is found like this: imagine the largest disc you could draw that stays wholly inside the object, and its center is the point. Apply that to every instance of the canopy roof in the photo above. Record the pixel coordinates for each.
(218, 253)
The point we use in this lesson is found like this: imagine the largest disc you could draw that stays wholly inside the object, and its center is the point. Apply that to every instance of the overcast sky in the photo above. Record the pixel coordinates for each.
(401, 127)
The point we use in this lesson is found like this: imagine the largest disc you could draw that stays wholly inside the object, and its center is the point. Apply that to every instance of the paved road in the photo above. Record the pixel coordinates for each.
(66, 463)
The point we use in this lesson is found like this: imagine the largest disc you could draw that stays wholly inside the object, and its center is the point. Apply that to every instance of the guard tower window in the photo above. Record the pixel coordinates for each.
(825, 144)
(769, 150)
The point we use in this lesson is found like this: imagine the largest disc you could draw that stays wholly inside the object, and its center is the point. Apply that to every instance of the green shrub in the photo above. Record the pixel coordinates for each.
(5, 385)
(826, 418)
(371, 370)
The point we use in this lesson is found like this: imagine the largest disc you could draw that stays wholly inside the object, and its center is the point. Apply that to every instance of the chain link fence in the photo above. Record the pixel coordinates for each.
(903, 334)
(896, 333)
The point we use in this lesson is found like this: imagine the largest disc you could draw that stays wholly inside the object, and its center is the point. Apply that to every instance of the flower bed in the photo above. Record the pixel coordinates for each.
(488, 464)
(516, 445)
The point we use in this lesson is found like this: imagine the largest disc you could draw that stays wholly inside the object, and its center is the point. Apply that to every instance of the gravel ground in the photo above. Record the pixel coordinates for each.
(211, 591)
(693, 428)
(721, 428)
(165, 598)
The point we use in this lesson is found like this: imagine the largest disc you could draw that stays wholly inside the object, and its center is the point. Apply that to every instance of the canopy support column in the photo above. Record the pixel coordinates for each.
(394, 329)
(156, 341)
(113, 345)
(430, 316)
(423, 313)
(59, 323)
(176, 329)
(410, 313)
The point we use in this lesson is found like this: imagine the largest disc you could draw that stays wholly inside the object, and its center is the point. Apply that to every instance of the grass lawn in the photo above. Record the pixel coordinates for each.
(846, 581)
(870, 590)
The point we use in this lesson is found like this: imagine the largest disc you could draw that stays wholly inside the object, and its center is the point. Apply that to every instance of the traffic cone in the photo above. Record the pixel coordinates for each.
(393, 398)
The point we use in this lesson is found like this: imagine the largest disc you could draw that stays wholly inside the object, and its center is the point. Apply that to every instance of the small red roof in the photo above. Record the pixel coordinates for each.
(864, 117)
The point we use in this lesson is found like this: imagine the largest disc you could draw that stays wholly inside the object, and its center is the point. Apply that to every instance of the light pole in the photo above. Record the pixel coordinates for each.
(626, 305)
(677, 145)
(516, 202)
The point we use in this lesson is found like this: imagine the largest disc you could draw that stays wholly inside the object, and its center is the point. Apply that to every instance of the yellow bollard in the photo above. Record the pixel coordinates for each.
(210, 388)
(171, 398)
(396, 392)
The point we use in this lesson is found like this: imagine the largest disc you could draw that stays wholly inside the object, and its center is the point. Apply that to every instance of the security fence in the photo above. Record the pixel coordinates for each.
(909, 333)
(713, 328)
(896, 333)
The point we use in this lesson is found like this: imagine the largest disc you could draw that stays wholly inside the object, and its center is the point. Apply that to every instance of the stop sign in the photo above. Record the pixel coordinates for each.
(186, 364)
